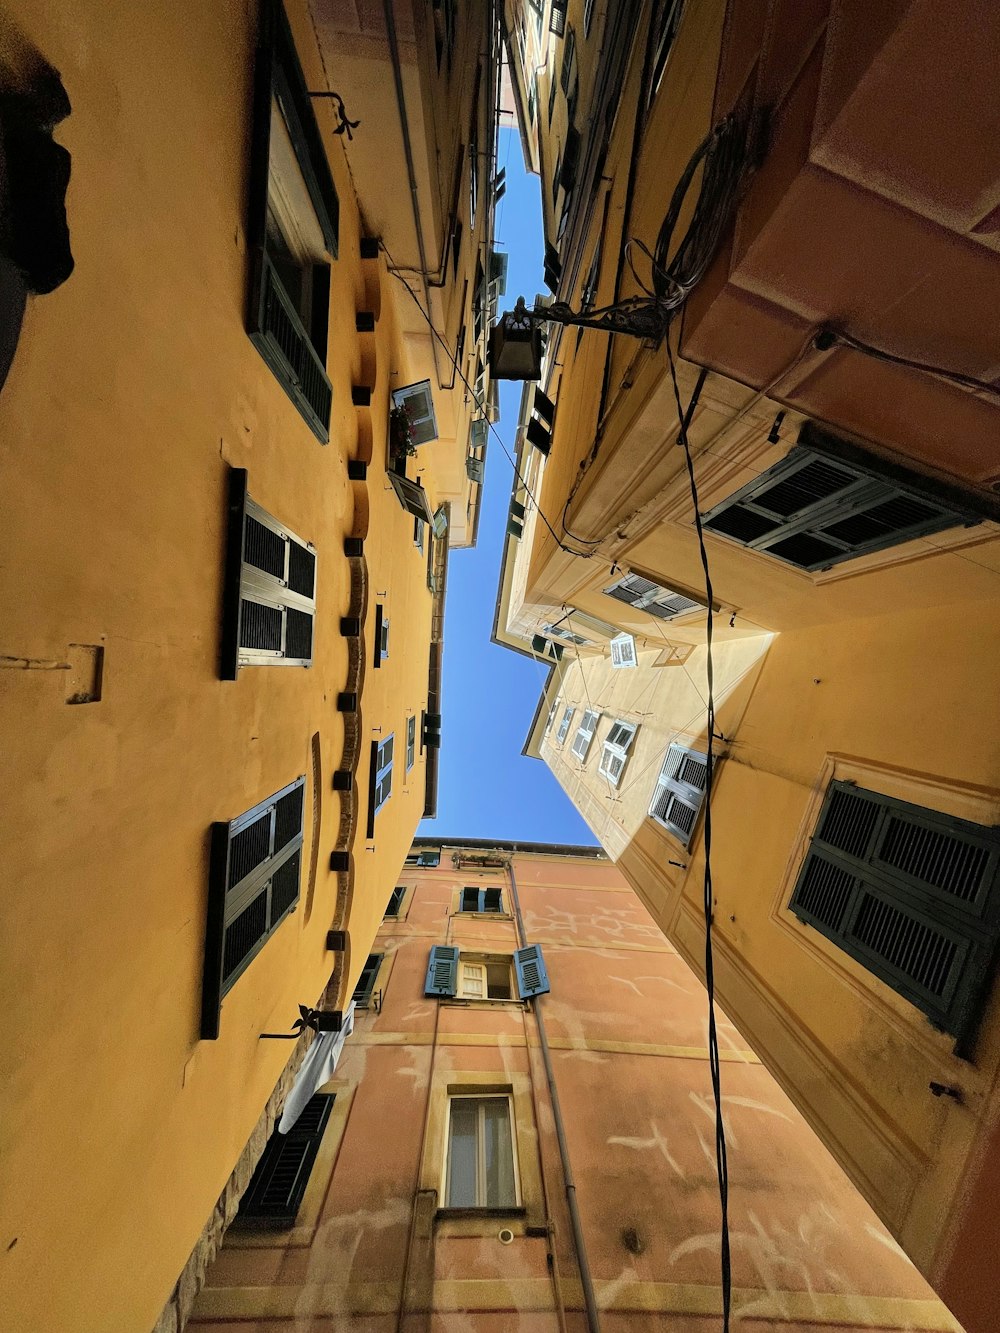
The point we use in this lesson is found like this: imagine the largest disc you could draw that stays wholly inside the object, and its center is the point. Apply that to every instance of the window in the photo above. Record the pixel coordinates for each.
(551, 717)
(585, 734)
(532, 99)
(588, 16)
(557, 17)
(615, 753)
(555, 177)
(813, 510)
(481, 900)
(480, 1164)
(274, 1195)
(380, 779)
(567, 718)
(623, 651)
(553, 88)
(381, 635)
(568, 71)
(559, 632)
(411, 741)
(396, 900)
(362, 996)
(269, 600)
(680, 790)
(419, 526)
(412, 496)
(417, 402)
(253, 885)
(474, 163)
(645, 595)
(292, 227)
(444, 31)
(910, 894)
(484, 977)
(423, 858)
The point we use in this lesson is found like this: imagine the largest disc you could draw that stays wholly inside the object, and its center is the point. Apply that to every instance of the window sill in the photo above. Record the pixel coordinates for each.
(514, 1210)
(485, 916)
(466, 1002)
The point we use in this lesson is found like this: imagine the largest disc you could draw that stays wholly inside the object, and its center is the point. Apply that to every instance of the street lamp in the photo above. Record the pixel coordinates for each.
(516, 339)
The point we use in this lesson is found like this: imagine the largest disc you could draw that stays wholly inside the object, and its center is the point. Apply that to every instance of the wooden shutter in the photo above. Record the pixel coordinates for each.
(254, 877)
(645, 595)
(366, 982)
(680, 790)
(532, 978)
(442, 971)
(269, 601)
(813, 511)
(417, 402)
(412, 496)
(273, 322)
(277, 1186)
(911, 894)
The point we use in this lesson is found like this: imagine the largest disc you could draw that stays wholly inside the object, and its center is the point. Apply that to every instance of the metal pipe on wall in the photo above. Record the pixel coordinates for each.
(579, 1244)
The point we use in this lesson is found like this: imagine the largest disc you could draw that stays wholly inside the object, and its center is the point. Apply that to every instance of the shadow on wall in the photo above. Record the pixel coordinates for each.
(35, 255)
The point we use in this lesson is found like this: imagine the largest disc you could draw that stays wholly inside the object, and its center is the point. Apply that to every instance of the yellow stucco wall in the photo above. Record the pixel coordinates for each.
(133, 391)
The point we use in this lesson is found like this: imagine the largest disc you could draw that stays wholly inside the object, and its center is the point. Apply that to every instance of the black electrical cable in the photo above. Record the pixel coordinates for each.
(722, 1165)
(828, 337)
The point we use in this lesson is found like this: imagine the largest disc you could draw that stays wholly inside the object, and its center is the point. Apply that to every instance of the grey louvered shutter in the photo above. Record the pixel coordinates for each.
(277, 1186)
(532, 978)
(680, 790)
(908, 892)
(645, 595)
(442, 971)
(255, 869)
(812, 510)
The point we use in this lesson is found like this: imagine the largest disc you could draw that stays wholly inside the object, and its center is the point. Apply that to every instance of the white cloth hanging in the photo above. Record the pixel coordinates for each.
(318, 1066)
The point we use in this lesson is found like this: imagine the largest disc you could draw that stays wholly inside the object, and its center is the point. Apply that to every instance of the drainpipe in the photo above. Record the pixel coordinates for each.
(397, 74)
(589, 1298)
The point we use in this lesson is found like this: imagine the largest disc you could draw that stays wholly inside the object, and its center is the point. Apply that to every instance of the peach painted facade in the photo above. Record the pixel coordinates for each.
(375, 1247)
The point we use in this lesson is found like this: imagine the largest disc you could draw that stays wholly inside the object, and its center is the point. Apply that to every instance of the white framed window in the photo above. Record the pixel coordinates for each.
(585, 734)
(567, 718)
(551, 717)
(380, 779)
(411, 741)
(481, 1160)
(645, 595)
(623, 651)
(616, 748)
(560, 631)
(482, 978)
(473, 899)
(680, 790)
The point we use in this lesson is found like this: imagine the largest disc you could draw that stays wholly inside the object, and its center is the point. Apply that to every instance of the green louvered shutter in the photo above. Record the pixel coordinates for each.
(911, 894)
(532, 978)
(442, 971)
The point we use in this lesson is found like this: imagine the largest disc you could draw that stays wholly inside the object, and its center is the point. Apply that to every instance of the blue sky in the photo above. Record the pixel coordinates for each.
(487, 788)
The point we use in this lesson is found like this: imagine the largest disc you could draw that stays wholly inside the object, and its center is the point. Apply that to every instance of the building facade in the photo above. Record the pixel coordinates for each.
(235, 459)
(841, 423)
(516, 999)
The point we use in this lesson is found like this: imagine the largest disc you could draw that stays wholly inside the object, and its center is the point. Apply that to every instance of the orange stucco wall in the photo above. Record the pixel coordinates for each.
(625, 1021)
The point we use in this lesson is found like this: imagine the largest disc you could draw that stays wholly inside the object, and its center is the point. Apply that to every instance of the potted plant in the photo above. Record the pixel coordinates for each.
(401, 442)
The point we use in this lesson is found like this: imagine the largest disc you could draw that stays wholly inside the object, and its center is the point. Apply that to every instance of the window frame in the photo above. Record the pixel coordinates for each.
(365, 988)
(380, 777)
(229, 899)
(481, 1098)
(398, 896)
(617, 746)
(483, 894)
(862, 884)
(679, 759)
(565, 722)
(585, 734)
(297, 356)
(246, 582)
(411, 741)
(467, 959)
(868, 487)
(645, 594)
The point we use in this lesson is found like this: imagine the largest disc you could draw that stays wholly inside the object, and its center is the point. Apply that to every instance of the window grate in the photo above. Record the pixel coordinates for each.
(298, 635)
(301, 570)
(244, 934)
(260, 626)
(284, 889)
(250, 848)
(263, 548)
